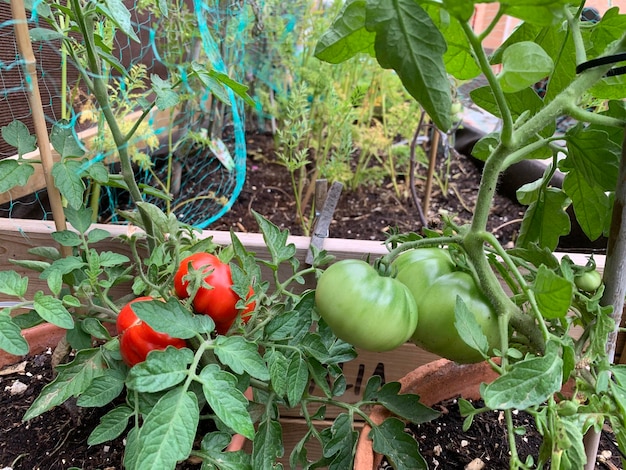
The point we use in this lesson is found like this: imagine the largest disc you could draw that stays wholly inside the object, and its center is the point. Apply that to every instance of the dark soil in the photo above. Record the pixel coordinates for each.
(369, 212)
(444, 445)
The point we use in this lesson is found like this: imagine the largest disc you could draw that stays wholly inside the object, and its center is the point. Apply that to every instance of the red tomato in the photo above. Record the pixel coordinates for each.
(220, 300)
(137, 338)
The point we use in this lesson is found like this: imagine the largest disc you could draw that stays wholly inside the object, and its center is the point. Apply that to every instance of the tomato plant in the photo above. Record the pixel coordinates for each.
(588, 281)
(215, 296)
(370, 311)
(137, 338)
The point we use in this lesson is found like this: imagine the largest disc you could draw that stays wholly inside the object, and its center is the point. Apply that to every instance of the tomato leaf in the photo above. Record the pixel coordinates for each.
(111, 425)
(298, 379)
(67, 177)
(72, 380)
(212, 453)
(340, 447)
(102, 390)
(523, 64)
(241, 356)
(278, 365)
(226, 400)
(406, 405)
(400, 448)
(276, 242)
(545, 220)
(52, 310)
(267, 446)
(172, 318)
(168, 431)
(553, 293)
(14, 174)
(528, 383)
(468, 328)
(161, 370)
(11, 339)
(11, 283)
(17, 135)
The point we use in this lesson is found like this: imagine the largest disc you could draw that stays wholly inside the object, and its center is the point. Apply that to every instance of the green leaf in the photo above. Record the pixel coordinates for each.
(172, 318)
(528, 383)
(11, 283)
(405, 405)
(161, 370)
(166, 97)
(67, 177)
(102, 390)
(241, 356)
(120, 15)
(553, 293)
(67, 238)
(213, 455)
(278, 365)
(523, 64)
(276, 241)
(298, 379)
(95, 328)
(11, 339)
(14, 174)
(540, 12)
(340, 447)
(63, 139)
(545, 220)
(111, 426)
(72, 379)
(79, 218)
(469, 329)
(400, 448)
(17, 135)
(168, 431)
(267, 446)
(226, 400)
(110, 259)
(52, 310)
(408, 41)
(347, 36)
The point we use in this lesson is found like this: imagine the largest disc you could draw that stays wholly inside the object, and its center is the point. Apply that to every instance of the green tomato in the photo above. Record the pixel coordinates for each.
(588, 281)
(436, 331)
(363, 308)
(419, 269)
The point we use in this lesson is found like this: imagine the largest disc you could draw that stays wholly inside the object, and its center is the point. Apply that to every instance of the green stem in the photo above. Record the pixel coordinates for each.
(422, 243)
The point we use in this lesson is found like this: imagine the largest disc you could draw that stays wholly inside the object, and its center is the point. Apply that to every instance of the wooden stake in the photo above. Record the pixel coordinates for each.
(25, 49)
(434, 147)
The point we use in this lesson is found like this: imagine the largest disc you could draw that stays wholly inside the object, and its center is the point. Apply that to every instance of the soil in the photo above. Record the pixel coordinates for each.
(444, 445)
(369, 212)
(57, 440)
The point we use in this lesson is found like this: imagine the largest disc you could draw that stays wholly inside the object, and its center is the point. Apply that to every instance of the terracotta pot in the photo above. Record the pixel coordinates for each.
(39, 338)
(433, 382)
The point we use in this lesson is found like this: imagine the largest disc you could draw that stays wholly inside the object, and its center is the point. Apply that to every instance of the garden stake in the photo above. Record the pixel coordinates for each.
(322, 225)
(25, 47)
(432, 160)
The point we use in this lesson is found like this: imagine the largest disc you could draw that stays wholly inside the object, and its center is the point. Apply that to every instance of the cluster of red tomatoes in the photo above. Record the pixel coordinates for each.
(217, 299)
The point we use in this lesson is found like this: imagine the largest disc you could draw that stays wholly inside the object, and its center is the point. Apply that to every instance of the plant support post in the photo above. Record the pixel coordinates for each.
(25, 48)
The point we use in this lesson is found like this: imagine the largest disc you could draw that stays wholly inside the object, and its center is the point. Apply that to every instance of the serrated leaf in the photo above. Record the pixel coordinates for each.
(213, 456)
(67, 238)
(67, 177)
(52, 310)
(553, 293)
(172, 318)
(523, 64)
(267, 445)
(298, 378)
(11, 283)
(340, 447)
(276, 241)
(97, 234)
(528, 383)
(111, 425)
(226, 400)
(168, 431)
(79, 218)
(95, 328)
(408, 41)
(401, 449)
(72, 379)
(11, 339)
(111, 259)
(241, 356)
(166, 97)
(545, 220)
(17, 135)
(278, 365)
(63, 139)
(102, 391)
(160, 371)
(14, 174)
(119, 13)
(405, 405)
(347, 36)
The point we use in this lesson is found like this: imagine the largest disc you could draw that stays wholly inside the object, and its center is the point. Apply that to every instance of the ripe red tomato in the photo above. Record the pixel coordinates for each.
(220, 300)
(137, 338)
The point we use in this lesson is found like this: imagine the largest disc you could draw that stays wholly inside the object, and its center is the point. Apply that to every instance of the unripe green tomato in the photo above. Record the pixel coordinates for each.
(436, 331)
(418, 269)
(363, 308)
(588, 281)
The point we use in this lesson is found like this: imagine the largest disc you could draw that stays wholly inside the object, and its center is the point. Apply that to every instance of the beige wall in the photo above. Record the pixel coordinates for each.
(485, 12)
